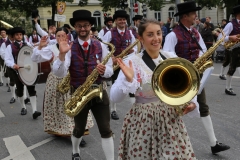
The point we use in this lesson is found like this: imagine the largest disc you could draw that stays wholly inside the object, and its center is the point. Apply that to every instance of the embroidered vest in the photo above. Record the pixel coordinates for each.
(120, 42)
(15, 50)
(1, 41)
(8, 42)
(52, 37)
(186, 47)
(236, 27)
(134, 31)
(105, 31)
(35, 40)
(77, 67)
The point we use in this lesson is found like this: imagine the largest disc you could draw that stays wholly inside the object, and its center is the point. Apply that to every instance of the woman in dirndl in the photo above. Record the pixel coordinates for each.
(56, 122)
(152, 130)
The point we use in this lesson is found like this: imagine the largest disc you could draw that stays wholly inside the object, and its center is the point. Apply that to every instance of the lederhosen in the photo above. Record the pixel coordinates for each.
(120, 43)
(82, 65)
(187, 48)
(235, 53)
(31, 89)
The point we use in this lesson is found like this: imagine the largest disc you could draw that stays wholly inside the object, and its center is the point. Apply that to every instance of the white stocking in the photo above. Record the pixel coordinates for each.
(1, 74)
(222, 70)
(108, 148)
(33, 101)
(21, 99)
(113, 106)
(13, 91)
(75, 144)
(207, 123)
(24, 92)
(228, 82)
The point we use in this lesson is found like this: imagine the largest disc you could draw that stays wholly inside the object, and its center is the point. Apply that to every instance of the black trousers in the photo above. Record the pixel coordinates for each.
(20, 85)
(101, 112)
(227, 58)
(1, 62)
(234, 61)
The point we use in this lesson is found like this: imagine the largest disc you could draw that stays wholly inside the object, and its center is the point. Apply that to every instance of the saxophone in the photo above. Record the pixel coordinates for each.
(229, 45)
(87, 90)
(124, 53)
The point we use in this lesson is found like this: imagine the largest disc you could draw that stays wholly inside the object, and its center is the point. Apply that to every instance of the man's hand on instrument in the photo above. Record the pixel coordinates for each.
(16, 67)
(101, 68)
(64, 47)
(189, 108)
(114, 60)
(127, 71)
(43, 42)
(234, 38)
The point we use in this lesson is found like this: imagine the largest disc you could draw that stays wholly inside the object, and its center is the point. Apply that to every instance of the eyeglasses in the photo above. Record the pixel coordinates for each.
(85, 26)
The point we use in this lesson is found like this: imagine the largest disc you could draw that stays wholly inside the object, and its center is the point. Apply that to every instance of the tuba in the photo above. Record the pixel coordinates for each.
(87, 90)
(176, 80)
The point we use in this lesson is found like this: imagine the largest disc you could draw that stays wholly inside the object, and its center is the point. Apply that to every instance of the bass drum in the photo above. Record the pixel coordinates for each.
(31, 72)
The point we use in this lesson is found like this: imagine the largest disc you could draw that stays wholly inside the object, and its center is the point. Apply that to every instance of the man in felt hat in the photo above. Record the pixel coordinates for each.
(3, 32)
(86, 53)
(10, 60)
(121, 37)
(108, 21)
(136, 21)
(231, 30)
(186, 42)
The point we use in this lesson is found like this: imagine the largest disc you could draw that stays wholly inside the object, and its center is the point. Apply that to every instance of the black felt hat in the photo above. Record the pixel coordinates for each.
(9, 31)
(17, 30)
(236, 9)
(35, 13)
(137, 17)
(121, 14)
(107, 19)
(3, 29)
(82, 15)
(186, 7)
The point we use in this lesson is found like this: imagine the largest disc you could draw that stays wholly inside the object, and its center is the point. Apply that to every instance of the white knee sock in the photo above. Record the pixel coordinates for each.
(1, 75)
(13, 91)
(222, 70)
(21, 99)
(33, 101)
(108, 148)
(228, 82)
(8, 81)
(24, 92)
(75, 144)
(132, 100)
(113, 106)
(207, 123)
(238, 70)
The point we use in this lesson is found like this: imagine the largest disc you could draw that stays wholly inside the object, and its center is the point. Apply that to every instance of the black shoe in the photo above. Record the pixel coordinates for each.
(222, 77)
(1, 84)
(76, 156)
(23, 111)
(219, 147)
(12, 100)
(26, 100)
(230, 92)
(36, 114)
(9, 90)
(114, 115)
(83, 143)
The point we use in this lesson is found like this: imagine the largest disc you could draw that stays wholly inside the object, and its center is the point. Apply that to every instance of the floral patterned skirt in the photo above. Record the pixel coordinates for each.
(153, 131)
(55, 120)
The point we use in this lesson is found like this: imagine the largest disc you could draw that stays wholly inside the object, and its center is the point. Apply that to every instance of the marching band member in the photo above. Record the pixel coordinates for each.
(108, 21)
(151, 129)
(34, 38)
(3, 32)
(121, 38)
(187, 43)
(231, 30)
(10, 60)
(136, 20)
(55, 120)
(85, 56)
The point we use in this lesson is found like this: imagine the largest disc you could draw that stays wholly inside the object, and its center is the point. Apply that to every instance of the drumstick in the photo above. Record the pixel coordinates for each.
(26, 67)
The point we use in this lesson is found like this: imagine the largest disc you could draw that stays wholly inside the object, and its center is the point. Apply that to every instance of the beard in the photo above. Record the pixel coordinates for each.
(109, 26)
(80, 35)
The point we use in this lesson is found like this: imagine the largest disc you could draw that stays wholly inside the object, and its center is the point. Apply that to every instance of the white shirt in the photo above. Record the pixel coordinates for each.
(60, 68)
(108, 37)
(227, 30)
(171, 41)
(3, 50)
(9, 60)
(141, 84)
(101, 33)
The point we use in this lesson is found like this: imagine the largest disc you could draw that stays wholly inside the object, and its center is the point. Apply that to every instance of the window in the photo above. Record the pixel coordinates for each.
(157, 15)
(97, 15)
(171, 12)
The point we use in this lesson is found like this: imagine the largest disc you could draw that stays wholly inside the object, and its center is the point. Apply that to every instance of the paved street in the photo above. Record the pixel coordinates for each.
(22, 138)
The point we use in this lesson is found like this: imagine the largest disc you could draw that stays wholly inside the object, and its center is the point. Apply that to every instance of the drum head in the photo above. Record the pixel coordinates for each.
(29, 73)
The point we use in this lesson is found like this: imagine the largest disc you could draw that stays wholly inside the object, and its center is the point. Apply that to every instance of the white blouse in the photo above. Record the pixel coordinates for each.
(141, 84)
